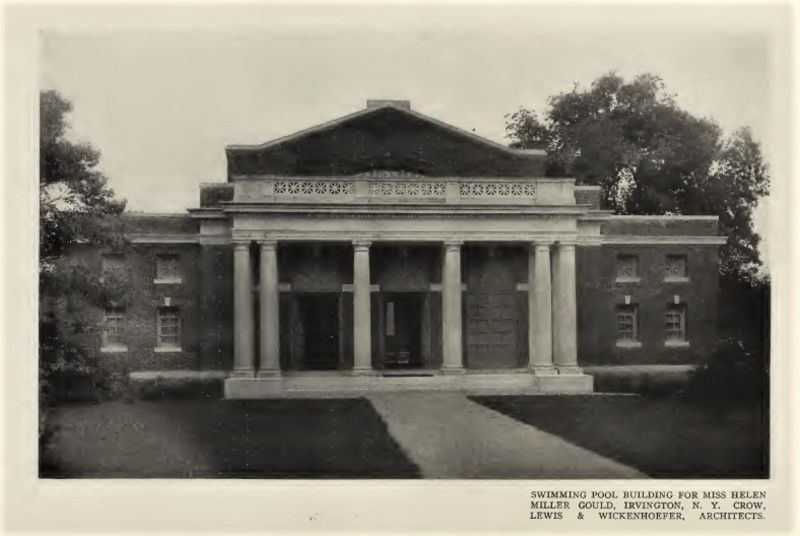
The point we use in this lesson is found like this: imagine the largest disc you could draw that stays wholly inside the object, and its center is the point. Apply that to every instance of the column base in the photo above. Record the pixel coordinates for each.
(363, 371)
(243, 373)
(453, 371)
(543, 371)
(570, 370)
(564, 383)
(268, 373)
(253, 387)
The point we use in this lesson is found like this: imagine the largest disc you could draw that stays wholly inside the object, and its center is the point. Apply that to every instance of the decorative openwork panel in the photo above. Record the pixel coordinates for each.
(497, 189)
(675, 267)
(328, 188)
(406, 189)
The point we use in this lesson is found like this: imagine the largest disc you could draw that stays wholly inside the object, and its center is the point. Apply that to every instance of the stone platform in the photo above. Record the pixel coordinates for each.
(337, 384)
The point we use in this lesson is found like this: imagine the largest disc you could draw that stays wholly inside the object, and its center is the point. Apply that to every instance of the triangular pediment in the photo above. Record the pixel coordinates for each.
(385, 138)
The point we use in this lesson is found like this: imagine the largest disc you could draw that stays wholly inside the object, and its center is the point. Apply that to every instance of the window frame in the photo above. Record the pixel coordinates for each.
(119, 314)
(635, 278)
(682, 339)
(161, 345)
(632, 310)
(676, 278)
(164, 279)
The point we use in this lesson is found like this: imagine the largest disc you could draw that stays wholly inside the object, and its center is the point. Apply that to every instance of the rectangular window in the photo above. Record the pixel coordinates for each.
(675, 323)
(675, 268)
(169, 327)
(114, 327)
(167, 268)
(627, 268)
(627, 323)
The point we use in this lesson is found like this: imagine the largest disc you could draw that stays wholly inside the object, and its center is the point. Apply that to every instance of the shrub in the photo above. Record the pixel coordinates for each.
(733, 375)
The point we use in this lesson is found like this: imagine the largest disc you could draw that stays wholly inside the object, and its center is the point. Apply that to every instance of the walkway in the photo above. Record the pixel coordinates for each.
(450, 436)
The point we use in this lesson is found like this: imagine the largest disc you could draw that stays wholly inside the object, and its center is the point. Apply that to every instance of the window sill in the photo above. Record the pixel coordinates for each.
(628, 344)
(167, 281)
(676, 344)
(167, 349)
(676, 280)
(113, 349)
(628, 280)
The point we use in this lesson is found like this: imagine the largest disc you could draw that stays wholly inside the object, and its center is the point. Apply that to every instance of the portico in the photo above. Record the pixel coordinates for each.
(546, 291)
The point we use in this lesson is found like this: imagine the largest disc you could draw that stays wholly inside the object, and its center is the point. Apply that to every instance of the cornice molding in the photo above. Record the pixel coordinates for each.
(656, 240)
(416, 213)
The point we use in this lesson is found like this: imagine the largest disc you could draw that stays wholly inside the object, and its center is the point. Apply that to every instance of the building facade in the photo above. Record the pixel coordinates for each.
(389, 250)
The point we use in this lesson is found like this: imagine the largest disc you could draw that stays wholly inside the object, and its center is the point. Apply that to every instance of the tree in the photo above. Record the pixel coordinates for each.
(651, 157)
(75, 207)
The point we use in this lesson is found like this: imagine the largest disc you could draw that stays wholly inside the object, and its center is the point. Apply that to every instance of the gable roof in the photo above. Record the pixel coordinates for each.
(385, 134)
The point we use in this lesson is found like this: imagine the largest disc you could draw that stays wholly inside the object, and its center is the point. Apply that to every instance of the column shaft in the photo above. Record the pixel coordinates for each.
(270, 311)
(243, 354)
(451, 308)
(564, 310)
(362, 321)
(540, 314)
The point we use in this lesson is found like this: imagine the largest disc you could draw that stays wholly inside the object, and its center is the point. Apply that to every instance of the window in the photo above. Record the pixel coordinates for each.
(627, 268)
(675, 268)
(167, 269)
(169, 328)
(675, 325)
(114, 329)
(627, 325)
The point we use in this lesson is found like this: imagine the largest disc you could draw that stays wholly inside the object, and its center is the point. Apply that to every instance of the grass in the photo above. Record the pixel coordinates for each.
(224, 439)
(662, 437)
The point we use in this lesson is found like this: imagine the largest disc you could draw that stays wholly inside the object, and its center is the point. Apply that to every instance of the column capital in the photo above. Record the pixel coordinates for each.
(240, 243)
(541, 244)
(453, 244)
(567, 243)
(361, 245)
(268, 244)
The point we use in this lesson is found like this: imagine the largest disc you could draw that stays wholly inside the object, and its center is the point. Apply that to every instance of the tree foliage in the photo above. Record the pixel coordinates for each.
(651, 157)
(76, 207)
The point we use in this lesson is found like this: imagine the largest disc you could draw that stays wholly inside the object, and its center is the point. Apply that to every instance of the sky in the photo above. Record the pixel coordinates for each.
(162, 104)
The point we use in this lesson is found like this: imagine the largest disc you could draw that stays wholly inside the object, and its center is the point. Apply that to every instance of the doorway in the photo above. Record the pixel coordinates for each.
(320, 319)
(402, 319)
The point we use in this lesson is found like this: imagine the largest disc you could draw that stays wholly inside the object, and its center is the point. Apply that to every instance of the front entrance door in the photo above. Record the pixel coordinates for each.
(320, 318)
(402, 328)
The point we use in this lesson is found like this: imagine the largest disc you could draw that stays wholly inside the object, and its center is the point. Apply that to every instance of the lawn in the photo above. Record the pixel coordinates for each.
(225, 438)
(662, 437)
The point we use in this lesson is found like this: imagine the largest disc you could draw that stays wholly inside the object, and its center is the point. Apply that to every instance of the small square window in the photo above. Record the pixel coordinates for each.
(675, 267)
(627, 268)
(167, 268)
(675, 323)
(169, 327)
(114, 327)
(627, 323)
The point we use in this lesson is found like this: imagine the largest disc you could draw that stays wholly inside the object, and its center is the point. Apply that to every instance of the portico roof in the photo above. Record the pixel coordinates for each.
(384, 135)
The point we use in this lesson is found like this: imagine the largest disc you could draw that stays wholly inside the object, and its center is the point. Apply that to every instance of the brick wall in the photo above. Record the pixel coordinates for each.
(141, 304)
(599, 294)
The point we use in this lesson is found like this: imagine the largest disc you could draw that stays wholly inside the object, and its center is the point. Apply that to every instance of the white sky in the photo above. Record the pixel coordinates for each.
(161, 106)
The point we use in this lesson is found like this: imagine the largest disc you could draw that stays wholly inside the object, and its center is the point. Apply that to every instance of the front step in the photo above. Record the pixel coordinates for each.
(327, 385)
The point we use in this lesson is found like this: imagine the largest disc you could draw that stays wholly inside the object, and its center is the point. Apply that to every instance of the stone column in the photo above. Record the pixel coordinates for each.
(362, 321)
(451, 308)
(270, 310)
(564, 310)
(540, 313)
(243, 354)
